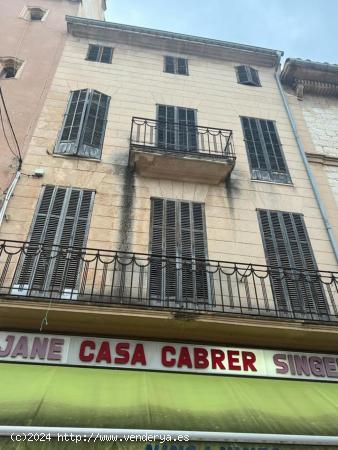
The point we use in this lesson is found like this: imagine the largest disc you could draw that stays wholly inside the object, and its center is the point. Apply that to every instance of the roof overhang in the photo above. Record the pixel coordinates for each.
(311, 77)
(171, 42)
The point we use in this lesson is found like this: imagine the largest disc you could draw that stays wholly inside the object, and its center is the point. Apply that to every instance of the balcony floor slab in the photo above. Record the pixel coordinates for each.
(183, 167)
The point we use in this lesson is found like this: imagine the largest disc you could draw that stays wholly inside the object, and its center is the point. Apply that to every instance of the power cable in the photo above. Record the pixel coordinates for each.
(6, 138)
(11, 127)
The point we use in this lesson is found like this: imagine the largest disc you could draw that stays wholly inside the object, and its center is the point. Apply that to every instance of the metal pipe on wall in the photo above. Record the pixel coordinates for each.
(9, 193)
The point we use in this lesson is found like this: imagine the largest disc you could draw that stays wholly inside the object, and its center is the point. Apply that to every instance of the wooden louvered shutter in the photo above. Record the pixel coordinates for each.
(277, 256)
(247, 75)
(182, 66)
(163, 273)
(187, 139)
(70, 134)
(62, 219)
(107, 54)
(166, 126)
(73, 233)
(200, 252)
(264, 151)
(178, 233)
(94, 125)
(254, 144)
(287, 245)
(156, 249)
(302, 257)
(169, 64)
(34, 268)
(171, 241)
(242, 74)
(274, 154)
(255, 77)
(187, 250)
(93, 52)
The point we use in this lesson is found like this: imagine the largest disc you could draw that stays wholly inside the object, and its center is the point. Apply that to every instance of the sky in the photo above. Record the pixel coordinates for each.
(306, 29)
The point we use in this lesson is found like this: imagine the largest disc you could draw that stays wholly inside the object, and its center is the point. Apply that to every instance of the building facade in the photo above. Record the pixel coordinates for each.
(32, 40)
(312, 91)
(174, 215)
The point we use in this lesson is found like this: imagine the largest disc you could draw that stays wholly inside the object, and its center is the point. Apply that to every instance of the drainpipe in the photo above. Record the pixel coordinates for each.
(306, 164)
(136, 435)
(8, 196)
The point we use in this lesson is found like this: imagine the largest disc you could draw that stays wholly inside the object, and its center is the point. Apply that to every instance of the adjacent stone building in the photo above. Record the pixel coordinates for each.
(312, 90)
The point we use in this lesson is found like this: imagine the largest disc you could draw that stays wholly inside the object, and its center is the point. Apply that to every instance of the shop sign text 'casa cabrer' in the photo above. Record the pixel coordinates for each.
(164, 356)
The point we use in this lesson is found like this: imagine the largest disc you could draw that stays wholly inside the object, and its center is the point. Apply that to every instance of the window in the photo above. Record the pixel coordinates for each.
(178, 231)
(34, 13)
(176, 65)
(247, 75)
(84, 124)
(8, 72)
(287, 245)
(99, 53)
(264, 151)
(61, 219)
(176, 128)
(9, 67)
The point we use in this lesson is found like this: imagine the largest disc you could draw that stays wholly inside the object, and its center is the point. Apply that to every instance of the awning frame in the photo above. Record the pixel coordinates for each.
(197, 436)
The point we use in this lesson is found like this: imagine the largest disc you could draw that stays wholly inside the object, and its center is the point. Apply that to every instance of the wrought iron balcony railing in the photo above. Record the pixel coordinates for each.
(85, 275)
(181, 138)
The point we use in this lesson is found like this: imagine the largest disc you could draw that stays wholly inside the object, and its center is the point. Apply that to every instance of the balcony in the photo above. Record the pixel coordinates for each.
(180, 151)
(92, 277)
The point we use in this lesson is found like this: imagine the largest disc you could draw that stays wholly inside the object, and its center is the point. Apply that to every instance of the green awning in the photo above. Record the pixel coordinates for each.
(38, 395)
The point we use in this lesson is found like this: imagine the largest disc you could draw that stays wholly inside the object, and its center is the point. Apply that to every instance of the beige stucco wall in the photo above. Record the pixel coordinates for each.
(136, 83)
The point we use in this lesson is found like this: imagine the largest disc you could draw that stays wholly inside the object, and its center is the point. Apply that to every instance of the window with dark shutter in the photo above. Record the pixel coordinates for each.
(178, 243)
(265, 153)
(247, 75)
(100, 53)
(287, 245)
(173, 64)
(36, 13)
(176, 128)
(84, 124)
(62, 219)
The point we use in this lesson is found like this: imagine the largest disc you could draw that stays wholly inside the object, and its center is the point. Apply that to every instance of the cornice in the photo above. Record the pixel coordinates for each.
(323, 159)
(309, 77)
(173, 42)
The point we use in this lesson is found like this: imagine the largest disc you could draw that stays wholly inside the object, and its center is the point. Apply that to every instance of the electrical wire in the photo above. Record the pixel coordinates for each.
(6, 138)
(11, 127)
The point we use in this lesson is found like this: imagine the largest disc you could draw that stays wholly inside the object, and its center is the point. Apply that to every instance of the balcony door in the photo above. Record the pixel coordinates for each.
(177, 130)
(287, 246)
(178, 271)
(59, 230)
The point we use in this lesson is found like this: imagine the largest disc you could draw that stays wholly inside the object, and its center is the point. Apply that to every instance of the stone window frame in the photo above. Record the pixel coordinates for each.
(6, 61)
(25, 13)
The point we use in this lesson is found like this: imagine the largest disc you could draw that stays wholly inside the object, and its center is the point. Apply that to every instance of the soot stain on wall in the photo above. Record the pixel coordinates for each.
(128, 198)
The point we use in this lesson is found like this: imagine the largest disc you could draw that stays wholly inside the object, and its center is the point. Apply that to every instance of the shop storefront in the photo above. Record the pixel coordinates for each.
(142, 386)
